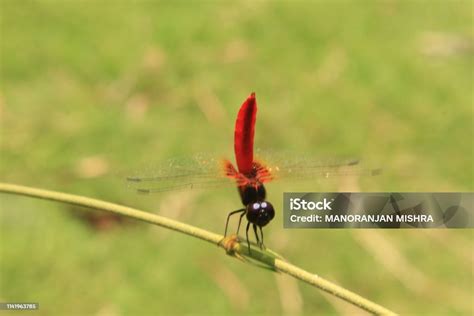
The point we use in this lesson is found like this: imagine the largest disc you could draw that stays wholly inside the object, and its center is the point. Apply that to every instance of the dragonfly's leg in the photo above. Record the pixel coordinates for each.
(261, 233)
(247, 236)
(240, 221)
(228, 217)
(256, 235)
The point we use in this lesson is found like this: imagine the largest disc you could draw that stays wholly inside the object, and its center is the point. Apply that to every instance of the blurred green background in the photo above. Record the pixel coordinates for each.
(92, 91)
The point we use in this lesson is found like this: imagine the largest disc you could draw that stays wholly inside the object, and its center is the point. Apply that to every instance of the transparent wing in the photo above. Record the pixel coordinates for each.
(203, 171)
(321, 170)
(200, 171)
(304, 167)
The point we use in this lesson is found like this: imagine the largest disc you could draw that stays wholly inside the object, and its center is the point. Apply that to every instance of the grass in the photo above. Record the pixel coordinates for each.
(90, 92)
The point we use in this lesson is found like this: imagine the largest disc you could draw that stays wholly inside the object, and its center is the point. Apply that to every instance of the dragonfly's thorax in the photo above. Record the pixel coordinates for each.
(252, 192)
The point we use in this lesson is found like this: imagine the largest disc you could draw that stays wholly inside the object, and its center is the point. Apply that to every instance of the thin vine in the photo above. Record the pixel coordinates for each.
(233, 246)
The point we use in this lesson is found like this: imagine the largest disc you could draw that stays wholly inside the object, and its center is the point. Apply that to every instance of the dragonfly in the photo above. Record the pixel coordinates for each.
(250, 175)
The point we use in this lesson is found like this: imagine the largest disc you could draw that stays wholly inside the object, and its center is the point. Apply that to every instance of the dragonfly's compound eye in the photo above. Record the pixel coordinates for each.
(260, 213)
(267, 208)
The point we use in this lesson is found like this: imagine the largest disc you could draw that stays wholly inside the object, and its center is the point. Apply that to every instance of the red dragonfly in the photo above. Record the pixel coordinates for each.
(249, 176)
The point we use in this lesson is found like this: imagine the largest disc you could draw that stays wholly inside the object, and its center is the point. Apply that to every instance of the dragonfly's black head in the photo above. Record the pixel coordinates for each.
(260, 213)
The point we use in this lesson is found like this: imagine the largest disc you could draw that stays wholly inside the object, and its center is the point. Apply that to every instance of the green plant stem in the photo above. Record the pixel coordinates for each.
(265, 257)
(331, 288)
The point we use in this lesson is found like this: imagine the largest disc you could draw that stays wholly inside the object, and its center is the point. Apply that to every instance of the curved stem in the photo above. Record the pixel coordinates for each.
(331, 288)
(264, 257)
